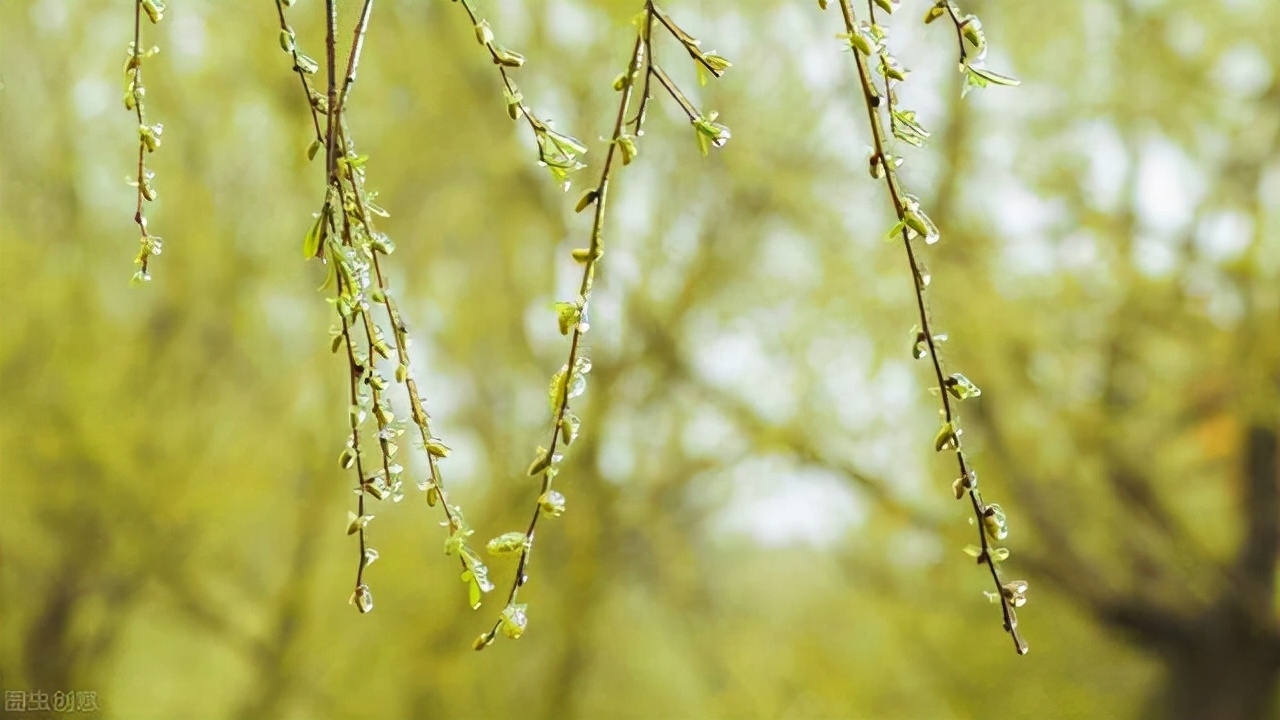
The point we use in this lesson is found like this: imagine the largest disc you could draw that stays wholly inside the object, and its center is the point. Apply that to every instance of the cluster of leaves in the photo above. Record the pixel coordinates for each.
(373, 337)
(557, 151)
(345, 238)
(570, 381)
(148, 135)
(868, 41)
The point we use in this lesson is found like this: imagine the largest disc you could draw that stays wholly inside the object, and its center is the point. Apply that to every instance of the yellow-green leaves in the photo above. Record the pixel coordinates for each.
(475, 574)
(948, 437)
(585, 201)
(917, 222)
(906, 128)
(710, 64)
(506, 57)
(149, 135)
(919, 343)
(993, 522)
(507, 544)
(863, 37)
(154, 10)
(569, 425)
(356, 523)
(961, 388)
(585, 255)
(305, 64)
(513, 620)
(437, 449)
(981, 77)
(311, 243)
(888, 5)
(552, 503)
(484, 32)
(568, 316)
(541, 461)
(627, 146)
(710, 133)
(362, 598)
(1015, 592)
(964, 484)
(557, 151)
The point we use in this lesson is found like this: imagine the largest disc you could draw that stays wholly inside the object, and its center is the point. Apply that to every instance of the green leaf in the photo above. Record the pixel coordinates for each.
(484, 33)
(437, 449)
(311, 243)
(948, 437)
(357, 523)
(306, 64)
(588, 197)
(567, 315)
(555, 393)
(154, 10)
(627, 145)
(507, 544)
(994, 523)
(474, 593)
(362, 599)
(920, 344)
(888, 5)
(710, 133)
(961, 388)
(552, 503)
(541, 462)
(569, 425)
(513, 620)
(505, 57)
(994, 78)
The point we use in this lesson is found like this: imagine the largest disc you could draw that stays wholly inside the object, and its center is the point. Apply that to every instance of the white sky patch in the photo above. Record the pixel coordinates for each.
(187, 38)
(781, 506)
(1243, 70)
(709, 434)
(1154, 255)
(49, 14)
(789, 256)
(571, 25)
(92, 96)
(1024, 220)
(737, 360)
(1224, 236)
(1170, 187)
(1108, 163)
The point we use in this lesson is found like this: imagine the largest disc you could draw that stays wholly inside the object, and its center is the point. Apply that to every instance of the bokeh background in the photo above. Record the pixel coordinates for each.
(757, 525)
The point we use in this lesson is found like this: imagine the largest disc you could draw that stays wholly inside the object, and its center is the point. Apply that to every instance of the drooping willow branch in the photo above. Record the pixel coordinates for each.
(557, 151)
(148, 135)
(344, 236)
(570, 381)
(867, 40)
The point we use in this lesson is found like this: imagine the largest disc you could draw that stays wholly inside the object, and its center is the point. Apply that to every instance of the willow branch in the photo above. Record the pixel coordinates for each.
(911, 223)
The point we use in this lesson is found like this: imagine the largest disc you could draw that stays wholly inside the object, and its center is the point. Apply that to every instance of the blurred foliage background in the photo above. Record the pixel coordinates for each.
(757, 525)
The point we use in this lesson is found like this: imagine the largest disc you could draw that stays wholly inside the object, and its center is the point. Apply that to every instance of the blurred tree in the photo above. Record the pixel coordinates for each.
(755, 525)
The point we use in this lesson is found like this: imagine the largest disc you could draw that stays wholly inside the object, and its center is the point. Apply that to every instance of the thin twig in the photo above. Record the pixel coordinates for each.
(561, 414)
(872, 100)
